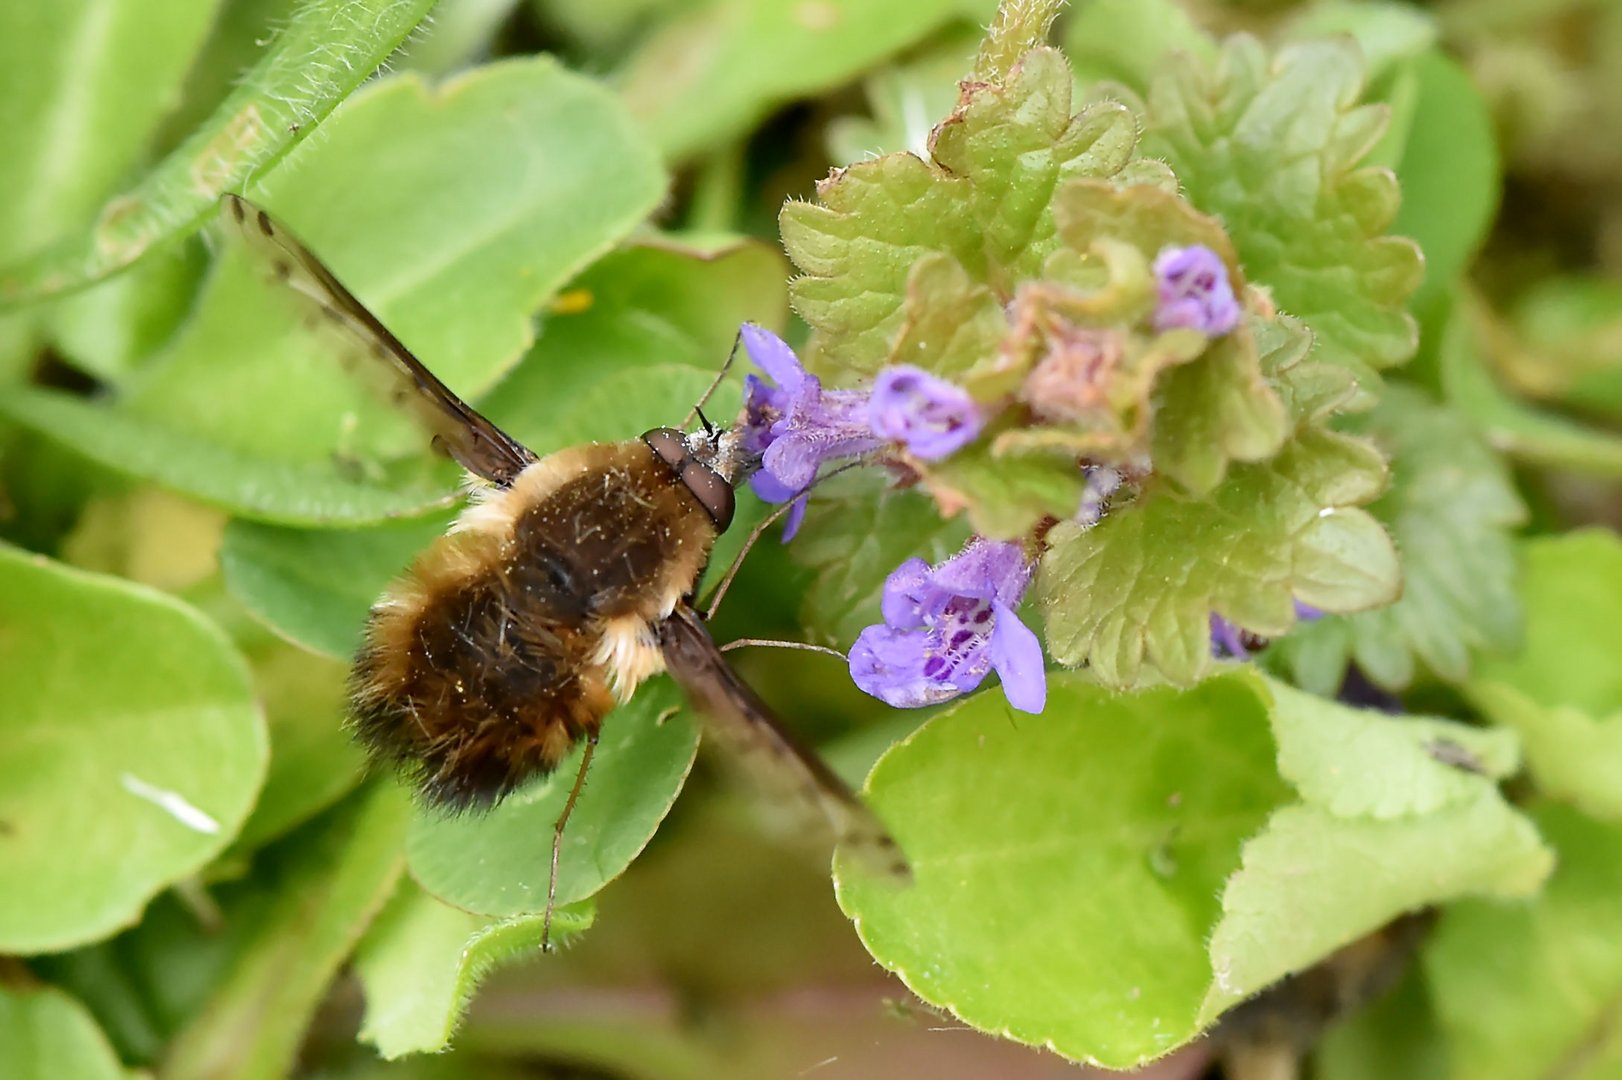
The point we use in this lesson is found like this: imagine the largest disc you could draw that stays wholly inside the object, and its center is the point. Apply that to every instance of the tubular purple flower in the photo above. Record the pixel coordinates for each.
(1194, 291)
(931, 417)
(946, 626)
(794, 424)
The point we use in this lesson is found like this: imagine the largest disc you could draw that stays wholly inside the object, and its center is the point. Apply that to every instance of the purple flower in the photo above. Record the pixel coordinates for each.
(795, 425)
(931, 417)
(1194, 292)
(1229, 640)
(946, 626)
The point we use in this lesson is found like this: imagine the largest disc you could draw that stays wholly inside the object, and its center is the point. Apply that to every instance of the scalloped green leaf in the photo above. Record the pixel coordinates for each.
(116, 786)
(1561, 692)
(498, 863)
(710, 74)
(1103, 826)
(47, 1035)
(1531, 990)
(453, 212)
(313, 896)
(422, 961)
(1384, 828)
(1136, 591)
(983, 199)
(1450, 509)
(326, 49)
(1313, 882)
(1271, 144)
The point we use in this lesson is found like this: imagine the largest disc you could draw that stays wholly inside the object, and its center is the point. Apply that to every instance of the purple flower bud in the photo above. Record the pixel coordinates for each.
(1194, 291)
(794, 424)
(931, 417)
(946, 626)
(1229, 640)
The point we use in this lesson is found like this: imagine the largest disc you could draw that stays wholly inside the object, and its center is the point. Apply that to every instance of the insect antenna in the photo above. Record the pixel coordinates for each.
(557, 841)
(715, 383)
(709, 428)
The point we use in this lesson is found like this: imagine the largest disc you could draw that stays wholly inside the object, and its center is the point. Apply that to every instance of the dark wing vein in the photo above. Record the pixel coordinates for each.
(457, 428)
(736, 717)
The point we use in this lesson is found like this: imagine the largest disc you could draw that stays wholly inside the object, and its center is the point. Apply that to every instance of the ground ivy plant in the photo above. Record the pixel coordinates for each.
(1215, 547)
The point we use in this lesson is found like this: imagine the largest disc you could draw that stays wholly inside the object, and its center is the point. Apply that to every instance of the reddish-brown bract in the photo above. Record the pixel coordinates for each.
(510, 638)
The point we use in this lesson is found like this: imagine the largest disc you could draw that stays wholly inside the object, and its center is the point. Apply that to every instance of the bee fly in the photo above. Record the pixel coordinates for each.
(566, 582)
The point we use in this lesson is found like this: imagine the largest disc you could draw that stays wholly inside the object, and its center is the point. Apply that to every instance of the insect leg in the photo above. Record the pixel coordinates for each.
(760, 530)
(557, 841)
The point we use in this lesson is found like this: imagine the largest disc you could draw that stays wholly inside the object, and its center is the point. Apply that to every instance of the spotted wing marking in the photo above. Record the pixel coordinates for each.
(457, 428)
(735, 716)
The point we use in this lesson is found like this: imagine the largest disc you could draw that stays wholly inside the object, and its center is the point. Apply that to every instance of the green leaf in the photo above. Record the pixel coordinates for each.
(1386, 33)
(116, 786)
(1525, 433)
(83, 83)
(1312, 882)
(47, 1035)
(326, 50)
(1103, 826)
(1353, 763)
(1138, 588)
(269, 489)
(313, 760)
(1385, 828)
(498, 863)
(857, 531)
(710, 74)
(1018, 27)
(1123, 40)
(315, 586)
(1531, 990)
(1271, 145)
(904, 100)
(430, 205)
(1450, 509)
(329, 880)
(657, 303)
(1449, 174)
(422, 961)
(1561, 692)
(984, 200)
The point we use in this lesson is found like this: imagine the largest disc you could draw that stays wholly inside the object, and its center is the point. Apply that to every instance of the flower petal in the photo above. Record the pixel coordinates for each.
(773, 356)
(986, 570)
(889, 664)
(931, 417)
(1194, 291)
(910, 596)
(1017, 656)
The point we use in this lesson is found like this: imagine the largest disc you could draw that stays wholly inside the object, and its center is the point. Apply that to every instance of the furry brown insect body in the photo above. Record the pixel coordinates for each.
(565, 583)
(515, 633)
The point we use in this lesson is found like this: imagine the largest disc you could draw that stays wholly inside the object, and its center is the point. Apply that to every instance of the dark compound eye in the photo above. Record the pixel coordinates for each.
(713, 492)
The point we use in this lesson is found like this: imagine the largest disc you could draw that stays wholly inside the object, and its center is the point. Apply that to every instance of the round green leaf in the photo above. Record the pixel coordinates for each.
(46, 1035)
(453, 212)
(498, 863)
(1067, 867)
(131, 749)
(422, 961)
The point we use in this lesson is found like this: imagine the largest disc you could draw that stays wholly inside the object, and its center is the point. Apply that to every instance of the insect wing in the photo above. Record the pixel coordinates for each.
(735, 716)
(457, 428)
